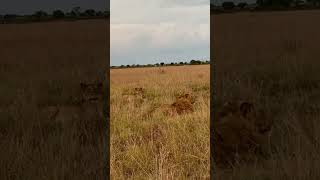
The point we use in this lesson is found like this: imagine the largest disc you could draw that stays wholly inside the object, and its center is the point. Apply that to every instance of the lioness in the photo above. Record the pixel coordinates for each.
(183, 104)
(240, 133)
(87, 107)
(135, 97)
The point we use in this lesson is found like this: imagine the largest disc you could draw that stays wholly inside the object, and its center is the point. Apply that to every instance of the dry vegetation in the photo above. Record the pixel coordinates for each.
(272, 60)
(42, 65)
(155, 134)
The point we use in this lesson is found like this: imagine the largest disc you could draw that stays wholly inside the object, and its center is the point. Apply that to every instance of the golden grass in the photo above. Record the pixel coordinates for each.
(160, 147)
(272, 60)
(43, 64)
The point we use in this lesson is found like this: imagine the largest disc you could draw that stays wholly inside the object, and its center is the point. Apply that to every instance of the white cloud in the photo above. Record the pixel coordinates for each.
(144, 29)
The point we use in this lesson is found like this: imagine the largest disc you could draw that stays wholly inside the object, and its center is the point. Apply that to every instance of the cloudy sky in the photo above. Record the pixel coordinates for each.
(30, 6)
(153, 31)
(219, 2)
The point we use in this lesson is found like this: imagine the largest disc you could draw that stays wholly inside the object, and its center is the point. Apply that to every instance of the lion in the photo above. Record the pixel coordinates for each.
(88, 105)
(183, 104)
(135, 97)
(241, 133)
(91, 92)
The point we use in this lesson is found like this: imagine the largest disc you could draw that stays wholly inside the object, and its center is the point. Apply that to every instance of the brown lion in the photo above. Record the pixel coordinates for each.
(241, 133)
(182, 105)
(88, 105)
(134, 97)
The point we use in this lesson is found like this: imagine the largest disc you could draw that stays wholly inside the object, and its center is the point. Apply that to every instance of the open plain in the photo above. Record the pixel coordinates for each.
(272, 60)
(160, 122)
(48, 67)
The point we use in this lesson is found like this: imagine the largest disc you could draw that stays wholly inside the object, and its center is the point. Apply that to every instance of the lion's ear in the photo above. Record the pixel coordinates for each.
(246, 108)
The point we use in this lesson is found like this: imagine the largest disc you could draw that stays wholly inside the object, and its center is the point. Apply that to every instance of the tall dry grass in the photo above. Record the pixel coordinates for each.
(160, 146)
(272, 59)
(43, 64)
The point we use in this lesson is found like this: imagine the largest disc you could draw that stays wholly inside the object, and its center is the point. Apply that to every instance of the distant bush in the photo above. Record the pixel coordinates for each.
(10, 16)
(194, 62)
(242, 5)
(100, 13)
(89, 12)
(228, 5)
(58, 14)
(40, 14)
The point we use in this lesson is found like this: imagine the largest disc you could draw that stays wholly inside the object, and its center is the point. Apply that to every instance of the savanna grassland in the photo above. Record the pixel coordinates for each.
(42, 66)
(156, 145)
(272, 60)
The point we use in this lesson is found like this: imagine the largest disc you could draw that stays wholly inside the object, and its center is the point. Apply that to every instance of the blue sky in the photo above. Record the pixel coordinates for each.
(152, 31)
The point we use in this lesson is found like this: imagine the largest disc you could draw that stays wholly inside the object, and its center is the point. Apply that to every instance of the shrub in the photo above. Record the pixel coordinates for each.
(228, 5)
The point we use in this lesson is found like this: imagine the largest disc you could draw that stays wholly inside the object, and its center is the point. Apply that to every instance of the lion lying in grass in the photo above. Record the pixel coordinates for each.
(87, 108)
(134, 97)
(241, 134)
(182, 105)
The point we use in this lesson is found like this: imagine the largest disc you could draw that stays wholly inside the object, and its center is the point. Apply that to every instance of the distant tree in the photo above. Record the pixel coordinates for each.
(228, 5)
(75, 12)
(260, 3)
(171, 63)
(193, 62)
(58, 14)
(300, 3)
(157, 64)
(99, 13)
(242, 5)
(181, 63)
(90, 12)
(106, 13)
(122, 66)
(128, 66)
(162, 63)
(10, 16)
(313, 2)
(40, 14)
(274, 3)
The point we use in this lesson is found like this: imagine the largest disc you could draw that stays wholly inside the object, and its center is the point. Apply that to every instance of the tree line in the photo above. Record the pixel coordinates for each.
(192, 62)
(228, 6)
(74, 14)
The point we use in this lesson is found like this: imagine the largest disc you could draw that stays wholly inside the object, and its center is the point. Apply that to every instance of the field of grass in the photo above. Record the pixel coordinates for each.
(272, 60)
(43, 64)
(160, 146)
